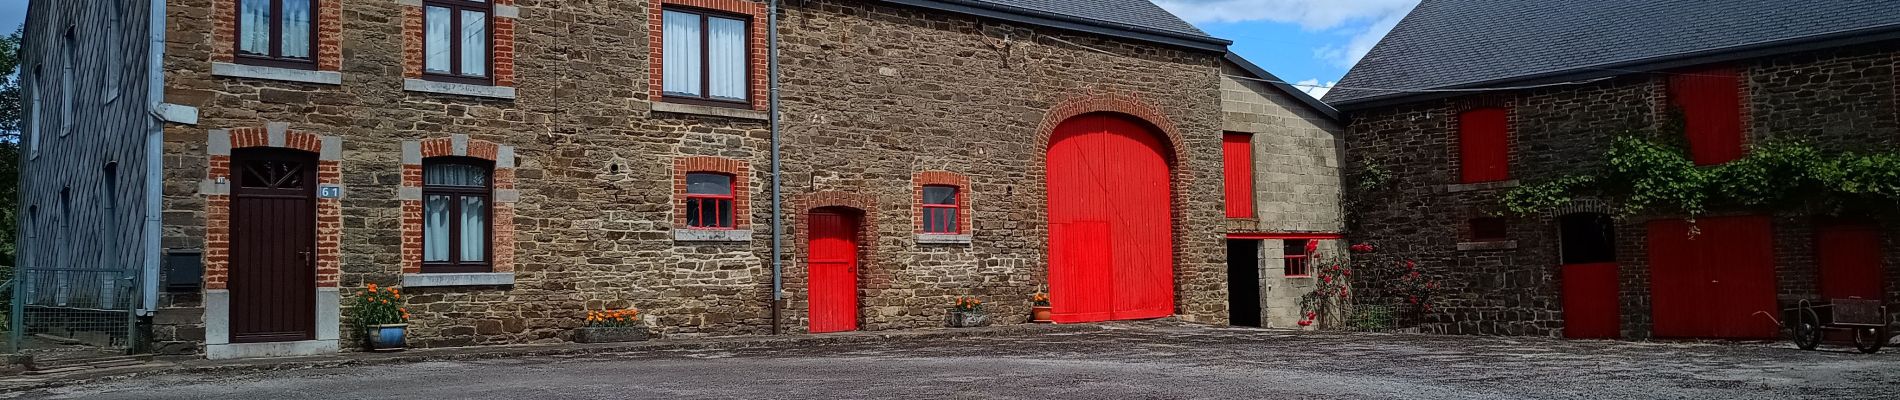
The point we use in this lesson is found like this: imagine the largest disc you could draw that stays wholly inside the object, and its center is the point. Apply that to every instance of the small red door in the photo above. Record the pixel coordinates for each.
(833, 264)
(1849, 255)
(1717, 284)
(1111, 238)
(1590, 301)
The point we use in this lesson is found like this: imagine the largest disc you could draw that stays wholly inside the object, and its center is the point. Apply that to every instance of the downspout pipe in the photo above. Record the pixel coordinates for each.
(154, 155)
(772, 111)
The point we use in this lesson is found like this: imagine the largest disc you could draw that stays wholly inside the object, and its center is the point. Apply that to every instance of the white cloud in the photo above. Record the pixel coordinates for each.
(1365, 20)
(1312, 87)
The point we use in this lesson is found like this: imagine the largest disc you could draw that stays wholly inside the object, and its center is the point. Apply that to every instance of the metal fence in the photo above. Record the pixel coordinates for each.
(73, 310)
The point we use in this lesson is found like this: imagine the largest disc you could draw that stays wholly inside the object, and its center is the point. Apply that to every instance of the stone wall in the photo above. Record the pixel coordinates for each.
(1839, 98)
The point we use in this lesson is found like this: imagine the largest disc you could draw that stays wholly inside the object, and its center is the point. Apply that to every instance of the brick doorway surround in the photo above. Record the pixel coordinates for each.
(217, 253)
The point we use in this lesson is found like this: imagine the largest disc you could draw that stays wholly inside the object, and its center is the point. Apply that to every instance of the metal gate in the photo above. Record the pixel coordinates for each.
(59, 313)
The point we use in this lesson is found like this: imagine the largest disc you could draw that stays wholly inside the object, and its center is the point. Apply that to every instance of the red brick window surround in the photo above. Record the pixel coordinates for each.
(217, 192)
(449, 171)
(707, 77)
(300, 34)
(941, 201)
(698, 206)
(467, 56)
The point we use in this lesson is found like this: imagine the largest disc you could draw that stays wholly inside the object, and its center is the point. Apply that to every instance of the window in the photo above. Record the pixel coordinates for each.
(113, 64)
(276, 33)
(709, 200)
(1587, 238)
(940, 210)
(1237, 160)
(456, 40)
(455, 214)
(66, 82)
(1298, 257)
(1710, 101)
(1484, 149)
(705, 56)
(1489, 229)
(33, 116)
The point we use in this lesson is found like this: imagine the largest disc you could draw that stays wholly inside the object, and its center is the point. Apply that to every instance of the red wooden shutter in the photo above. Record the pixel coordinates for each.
(1237, 158)
(1711, 104)
(1484, 149)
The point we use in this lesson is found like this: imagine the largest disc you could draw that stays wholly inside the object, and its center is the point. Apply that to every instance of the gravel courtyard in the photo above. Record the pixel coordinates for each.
(1149, 360)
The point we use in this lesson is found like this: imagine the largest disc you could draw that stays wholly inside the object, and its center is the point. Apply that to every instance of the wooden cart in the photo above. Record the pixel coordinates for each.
(1867, 319)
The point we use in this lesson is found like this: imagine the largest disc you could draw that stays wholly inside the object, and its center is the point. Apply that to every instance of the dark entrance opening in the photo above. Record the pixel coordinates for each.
(1243, 282)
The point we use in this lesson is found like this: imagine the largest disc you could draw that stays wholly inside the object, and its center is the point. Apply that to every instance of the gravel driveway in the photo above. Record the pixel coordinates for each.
(1119, 361)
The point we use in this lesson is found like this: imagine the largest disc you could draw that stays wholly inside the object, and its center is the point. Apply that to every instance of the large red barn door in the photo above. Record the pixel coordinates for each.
(1849, 255)
(1110, 221)
(833, 264)
(1717, 284)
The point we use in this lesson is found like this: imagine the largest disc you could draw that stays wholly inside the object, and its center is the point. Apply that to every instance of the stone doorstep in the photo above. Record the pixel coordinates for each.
(195, 365)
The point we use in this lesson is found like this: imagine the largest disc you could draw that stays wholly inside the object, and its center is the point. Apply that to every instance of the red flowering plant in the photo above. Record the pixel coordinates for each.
(1332, 289)
(1414, 286)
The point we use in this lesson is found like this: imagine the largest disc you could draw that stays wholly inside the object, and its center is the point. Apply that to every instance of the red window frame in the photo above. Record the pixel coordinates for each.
(949, 225)
(455, 73)
(1710, 100)
(1237, 173)
(1484, 147)
(1297, 257)
(721, 204)
(275, 58)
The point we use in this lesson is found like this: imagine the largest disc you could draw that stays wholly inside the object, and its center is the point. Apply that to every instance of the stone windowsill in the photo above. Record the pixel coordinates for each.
(695, 109)
(458, 89)
(1471, 187)
(938, 238)
(1491, 245)
(276, 74)
(712, 235)
(461, 279)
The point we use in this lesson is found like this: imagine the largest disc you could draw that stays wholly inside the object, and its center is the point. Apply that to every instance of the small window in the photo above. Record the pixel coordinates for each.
(1489, 229)
(709, 200)
(114, 17)
(278, 33)
(705, 56)
(456, 40)
(34, 119)
(455, 215)
(1587, 238)
(1484, 150)
(67, 82)
(940, 210)
(1298, 257)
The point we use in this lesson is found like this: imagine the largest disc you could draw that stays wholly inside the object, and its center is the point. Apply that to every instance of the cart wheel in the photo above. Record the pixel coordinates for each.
(1807, 329)
(1869, 340)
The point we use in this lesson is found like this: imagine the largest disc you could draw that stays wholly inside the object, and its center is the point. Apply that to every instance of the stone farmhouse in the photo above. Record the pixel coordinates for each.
(226, 175)
(1747, 73)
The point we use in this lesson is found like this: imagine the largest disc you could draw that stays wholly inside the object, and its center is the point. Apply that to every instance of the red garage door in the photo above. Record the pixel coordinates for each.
(1719, 283)
(1110, 226)
(1849, 255)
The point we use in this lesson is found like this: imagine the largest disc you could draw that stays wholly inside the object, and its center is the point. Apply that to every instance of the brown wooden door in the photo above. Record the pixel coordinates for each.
(273, 245)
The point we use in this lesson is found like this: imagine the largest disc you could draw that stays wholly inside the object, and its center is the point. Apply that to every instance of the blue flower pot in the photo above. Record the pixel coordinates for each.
(387, 337)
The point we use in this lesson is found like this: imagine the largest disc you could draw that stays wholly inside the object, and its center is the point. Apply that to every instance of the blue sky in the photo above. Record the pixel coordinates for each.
(1311, 42)
(1298, 40)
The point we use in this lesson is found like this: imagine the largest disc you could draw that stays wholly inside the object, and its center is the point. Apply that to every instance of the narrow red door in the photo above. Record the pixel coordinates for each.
(1717, 284)
(273, 279)
(1110, 218)
(1849, 255)
(1590, 301)
(833, 264)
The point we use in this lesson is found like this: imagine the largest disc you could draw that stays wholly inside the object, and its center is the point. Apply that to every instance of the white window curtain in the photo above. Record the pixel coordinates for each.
(474, 43)
(474, 229)
(435, 229)
(437, 38)
(255, 16)
(681, 56)
(296, 29)
(726, 55)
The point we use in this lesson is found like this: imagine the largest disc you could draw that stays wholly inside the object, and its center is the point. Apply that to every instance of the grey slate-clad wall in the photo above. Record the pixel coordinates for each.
(91, 95)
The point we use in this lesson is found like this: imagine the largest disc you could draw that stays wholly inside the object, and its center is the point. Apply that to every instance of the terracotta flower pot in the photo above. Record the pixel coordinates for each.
(1041, 314)
(388, 337)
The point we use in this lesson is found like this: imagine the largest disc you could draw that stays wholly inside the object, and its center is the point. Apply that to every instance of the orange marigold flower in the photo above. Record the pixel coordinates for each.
(372, 287)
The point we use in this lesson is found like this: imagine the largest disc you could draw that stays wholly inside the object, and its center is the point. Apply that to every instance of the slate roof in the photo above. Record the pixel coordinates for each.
(1491, 43)
(1134, 19)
